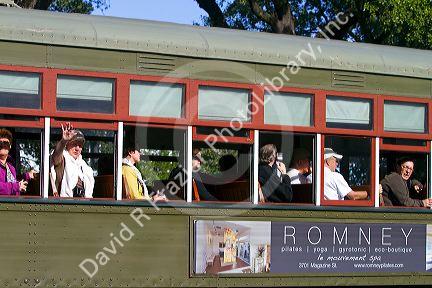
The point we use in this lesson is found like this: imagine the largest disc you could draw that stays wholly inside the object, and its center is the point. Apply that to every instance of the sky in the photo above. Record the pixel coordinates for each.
(178, 11)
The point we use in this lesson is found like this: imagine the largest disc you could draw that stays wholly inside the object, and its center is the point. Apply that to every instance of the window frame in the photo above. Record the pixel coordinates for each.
(406, 135)
(322, 124)
(315, 115)
(354, 203)
(37, 124)
(42, 91)
(55, 73)
(56, 124)
(124, 82)
(193, 103)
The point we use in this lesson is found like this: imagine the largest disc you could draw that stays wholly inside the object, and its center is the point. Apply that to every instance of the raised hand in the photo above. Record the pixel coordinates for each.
(67, 131)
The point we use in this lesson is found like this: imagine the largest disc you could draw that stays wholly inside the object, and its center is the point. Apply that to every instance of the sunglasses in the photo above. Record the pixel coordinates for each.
(5, 144)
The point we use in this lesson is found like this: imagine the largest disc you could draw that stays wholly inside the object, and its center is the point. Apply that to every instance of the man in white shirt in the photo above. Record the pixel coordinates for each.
(300, 167)
(335, 186)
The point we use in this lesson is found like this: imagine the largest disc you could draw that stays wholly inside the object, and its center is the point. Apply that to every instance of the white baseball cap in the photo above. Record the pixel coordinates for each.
(328, 152)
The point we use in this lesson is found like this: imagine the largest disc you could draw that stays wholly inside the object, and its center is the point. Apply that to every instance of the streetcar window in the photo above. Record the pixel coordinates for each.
(388, 164)
(98, 153)
(161, 162)
(20, 90)
(85, 94)
(226, 104)
(355, 167)
(156, 99)
(350, 113)
(25, 156)
(286, 108)
(223, 173)
(296, 152)
(405, 117)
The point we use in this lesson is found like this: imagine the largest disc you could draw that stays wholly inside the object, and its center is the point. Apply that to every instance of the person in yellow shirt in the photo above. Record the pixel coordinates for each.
(134, 183)
(135, 186)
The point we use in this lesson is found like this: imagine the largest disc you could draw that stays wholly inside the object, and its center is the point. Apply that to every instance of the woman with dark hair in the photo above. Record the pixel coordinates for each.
(9, 185)
(275, 184)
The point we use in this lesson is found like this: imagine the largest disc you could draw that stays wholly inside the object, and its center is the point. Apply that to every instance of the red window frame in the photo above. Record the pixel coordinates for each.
(42, 90)
(193, 103)
(322, 122)
(359, 203)
(405, 135)
(124, 81)
(303, 129)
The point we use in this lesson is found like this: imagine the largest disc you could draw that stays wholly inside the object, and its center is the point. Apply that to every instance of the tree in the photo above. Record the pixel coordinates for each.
(391, 22)
(68, 6)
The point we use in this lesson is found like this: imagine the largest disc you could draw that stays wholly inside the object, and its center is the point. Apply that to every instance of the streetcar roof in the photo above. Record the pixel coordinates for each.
(103, 32)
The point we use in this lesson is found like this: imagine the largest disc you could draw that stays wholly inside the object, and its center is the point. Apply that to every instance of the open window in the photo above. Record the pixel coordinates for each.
(421, 172)
(295, 150)
(25, 158)
(98, 153)
(162, 160)
(353, 172)
(224, 172)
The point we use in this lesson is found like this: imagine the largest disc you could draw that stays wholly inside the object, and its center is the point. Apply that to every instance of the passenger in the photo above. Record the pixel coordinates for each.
(397, 185)
(226, 162)
(134, 182)
(202, 194)
(335, 186)
(227, 171)
(70, 174)
(275, 184)
(300, 167)
(9, 184)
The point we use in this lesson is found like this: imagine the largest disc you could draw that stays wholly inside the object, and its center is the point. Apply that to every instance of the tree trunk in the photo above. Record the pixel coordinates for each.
(216, 16)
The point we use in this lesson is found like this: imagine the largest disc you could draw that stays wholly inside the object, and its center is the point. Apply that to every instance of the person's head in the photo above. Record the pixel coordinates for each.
(405, 167)
(331, 159)
(226, 162)
(5, 142)
(132, 153)
(196, 159)
(300, 160)
(75, 145)
(267, 154)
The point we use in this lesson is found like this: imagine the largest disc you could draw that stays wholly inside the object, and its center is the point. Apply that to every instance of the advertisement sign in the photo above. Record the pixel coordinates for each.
(302, 247)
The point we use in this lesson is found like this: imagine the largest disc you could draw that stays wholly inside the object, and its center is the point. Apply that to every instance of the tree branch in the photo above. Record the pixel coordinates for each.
(260, 13)
(340, 26)
(217, 19)
(43, 4)
(281, 20)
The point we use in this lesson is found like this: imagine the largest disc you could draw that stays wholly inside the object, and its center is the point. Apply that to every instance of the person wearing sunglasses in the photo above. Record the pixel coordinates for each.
(9, 185)
(396, 186)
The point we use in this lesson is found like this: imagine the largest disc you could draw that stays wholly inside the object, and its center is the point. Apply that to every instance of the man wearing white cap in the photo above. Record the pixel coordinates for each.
(335, 186)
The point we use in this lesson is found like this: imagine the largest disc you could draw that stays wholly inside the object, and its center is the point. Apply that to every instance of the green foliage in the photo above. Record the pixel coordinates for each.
(78, 6)
(399, 22)
(391, 22)
(157, 170)
(211, 157)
